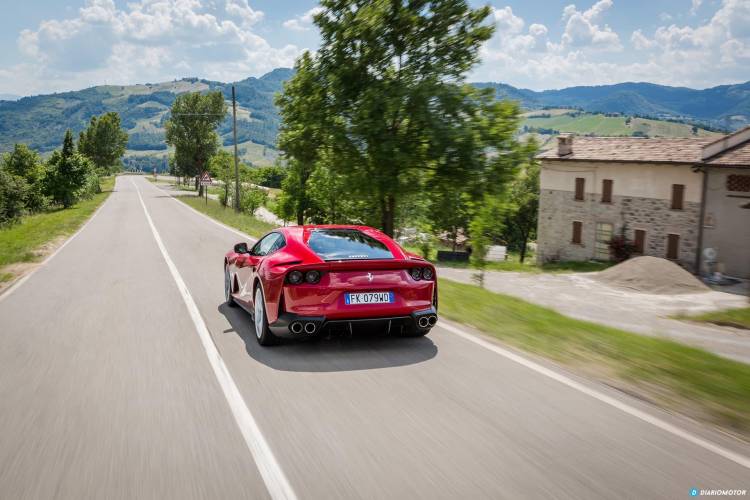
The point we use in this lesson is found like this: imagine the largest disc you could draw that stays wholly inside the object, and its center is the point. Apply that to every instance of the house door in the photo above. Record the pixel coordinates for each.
(603, 235)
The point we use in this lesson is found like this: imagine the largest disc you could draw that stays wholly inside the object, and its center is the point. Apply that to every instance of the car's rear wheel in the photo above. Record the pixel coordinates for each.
(228, 288)
(262, 332)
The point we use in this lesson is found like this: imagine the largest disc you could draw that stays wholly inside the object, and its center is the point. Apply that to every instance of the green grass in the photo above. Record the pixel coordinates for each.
(22, 242)
(244, 222)
(689, 380)
(738, 318)
(599, 124)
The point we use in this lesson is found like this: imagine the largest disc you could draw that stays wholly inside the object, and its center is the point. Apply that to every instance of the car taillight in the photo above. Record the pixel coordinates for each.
(416, 273)
(427, 273)
(312, 277)
(298, 277)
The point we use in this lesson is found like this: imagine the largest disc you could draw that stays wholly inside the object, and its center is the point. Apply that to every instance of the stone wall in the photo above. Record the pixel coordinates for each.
(558, 209)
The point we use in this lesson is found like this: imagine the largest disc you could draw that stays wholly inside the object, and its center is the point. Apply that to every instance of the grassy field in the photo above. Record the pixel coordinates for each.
(599, 124)
(738, 318)
(25, 242)
(244, 222)
(689, 380)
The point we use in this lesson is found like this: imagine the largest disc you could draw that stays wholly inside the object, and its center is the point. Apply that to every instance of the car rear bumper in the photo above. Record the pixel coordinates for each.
(290, 325)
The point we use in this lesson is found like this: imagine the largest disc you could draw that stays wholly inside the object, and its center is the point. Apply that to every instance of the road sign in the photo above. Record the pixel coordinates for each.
(206, 179)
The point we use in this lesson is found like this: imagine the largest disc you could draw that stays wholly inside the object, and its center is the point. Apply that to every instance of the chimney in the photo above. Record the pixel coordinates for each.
(564, 144)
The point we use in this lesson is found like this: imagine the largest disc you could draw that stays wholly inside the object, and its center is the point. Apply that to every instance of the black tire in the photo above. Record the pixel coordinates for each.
(260, 321)
(228, 289)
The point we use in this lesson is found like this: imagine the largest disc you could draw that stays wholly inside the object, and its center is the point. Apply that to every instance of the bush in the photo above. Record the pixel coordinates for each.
(252, 199)
(13, 191)
(620, 248)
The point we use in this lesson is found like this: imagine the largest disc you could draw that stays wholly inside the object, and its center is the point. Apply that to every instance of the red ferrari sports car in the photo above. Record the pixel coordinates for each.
(299, 281)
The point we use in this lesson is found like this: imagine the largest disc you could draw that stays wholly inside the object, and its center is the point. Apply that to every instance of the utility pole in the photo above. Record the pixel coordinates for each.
(236, 162)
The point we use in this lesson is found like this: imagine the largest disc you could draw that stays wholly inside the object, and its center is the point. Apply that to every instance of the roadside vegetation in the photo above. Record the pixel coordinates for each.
(242, 221)
(737, 318)
(26, 241)
(42, 201)
(689, 380)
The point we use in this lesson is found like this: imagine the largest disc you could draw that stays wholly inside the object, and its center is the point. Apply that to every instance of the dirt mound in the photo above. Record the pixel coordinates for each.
(651, 275)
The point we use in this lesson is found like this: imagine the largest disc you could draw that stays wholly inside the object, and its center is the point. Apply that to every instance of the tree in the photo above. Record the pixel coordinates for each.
(25, 163)
(69, 174)
(395, 98)
(13, 192)
(221, 166)
(191, 129)
(303, 130)
(104, 141)
(523, 196)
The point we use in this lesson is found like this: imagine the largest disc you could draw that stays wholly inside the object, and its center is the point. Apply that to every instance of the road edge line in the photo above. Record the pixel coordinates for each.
(12, 288)
(274, 478)
(604, 398)
(209, 218)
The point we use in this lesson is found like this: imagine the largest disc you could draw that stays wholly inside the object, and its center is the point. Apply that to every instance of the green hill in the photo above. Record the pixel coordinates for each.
(554, 121)
(41, 121)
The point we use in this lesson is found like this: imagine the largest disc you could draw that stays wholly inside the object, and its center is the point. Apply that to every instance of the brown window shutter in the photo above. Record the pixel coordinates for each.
(577, 230)
(640, 240)
(673, 246)
(580, 185)
(678, 196)
(607, 191)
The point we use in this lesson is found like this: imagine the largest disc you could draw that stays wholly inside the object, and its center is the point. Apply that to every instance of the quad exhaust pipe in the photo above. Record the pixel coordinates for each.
(310, 327)
(296, 327)
(432, 320)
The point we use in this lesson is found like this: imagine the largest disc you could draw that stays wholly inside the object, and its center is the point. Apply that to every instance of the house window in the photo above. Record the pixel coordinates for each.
(580, 184)
(678, 196)
(577, 230)
(739, 183)
(640, 241)
(607, 191)
(673, 246)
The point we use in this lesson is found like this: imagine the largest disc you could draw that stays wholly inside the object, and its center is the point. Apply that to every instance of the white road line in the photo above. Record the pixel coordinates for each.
(276, 482)
(31, 273)
(641, 415)
(210, 219)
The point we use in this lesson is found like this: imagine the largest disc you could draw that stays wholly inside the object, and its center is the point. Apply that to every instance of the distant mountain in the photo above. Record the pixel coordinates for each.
(41, 121)
(725, 106)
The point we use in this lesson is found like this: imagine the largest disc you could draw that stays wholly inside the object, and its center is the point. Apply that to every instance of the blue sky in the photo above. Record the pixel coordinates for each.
(54, 45)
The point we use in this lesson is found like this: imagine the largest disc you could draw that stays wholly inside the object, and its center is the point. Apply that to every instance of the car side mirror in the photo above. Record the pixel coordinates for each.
(241, 248)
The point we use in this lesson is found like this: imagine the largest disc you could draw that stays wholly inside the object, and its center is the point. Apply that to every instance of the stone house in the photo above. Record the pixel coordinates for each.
(672, 197)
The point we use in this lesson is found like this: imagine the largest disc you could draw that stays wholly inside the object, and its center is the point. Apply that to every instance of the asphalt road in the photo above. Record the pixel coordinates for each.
(106, 391)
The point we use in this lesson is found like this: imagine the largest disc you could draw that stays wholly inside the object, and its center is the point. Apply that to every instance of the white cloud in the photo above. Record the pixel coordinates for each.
(241, 9)
(148, 40)
(303, 22)
(506, 21)
(582, 30)
(589, 52)
(696, 5)
(537, 29)
(640, 41)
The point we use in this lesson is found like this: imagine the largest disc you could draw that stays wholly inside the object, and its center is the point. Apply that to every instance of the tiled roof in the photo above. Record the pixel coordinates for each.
(738, 155)
(633, 149)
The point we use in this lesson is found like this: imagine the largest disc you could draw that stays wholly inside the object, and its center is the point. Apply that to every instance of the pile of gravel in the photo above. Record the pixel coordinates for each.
(651, 275)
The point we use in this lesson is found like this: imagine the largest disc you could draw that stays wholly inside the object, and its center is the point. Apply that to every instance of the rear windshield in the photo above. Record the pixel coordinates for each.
(346, 244)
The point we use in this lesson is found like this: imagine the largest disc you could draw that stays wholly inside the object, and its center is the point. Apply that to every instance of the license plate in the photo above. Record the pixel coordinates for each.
(369, 298)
